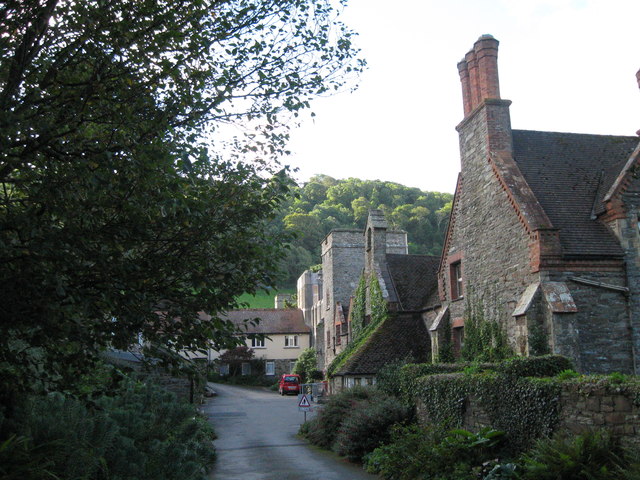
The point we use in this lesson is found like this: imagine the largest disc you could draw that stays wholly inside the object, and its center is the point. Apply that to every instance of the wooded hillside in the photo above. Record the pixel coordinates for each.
(325, 203)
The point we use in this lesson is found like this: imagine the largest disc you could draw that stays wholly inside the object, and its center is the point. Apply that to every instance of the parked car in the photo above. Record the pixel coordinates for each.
(289, 383)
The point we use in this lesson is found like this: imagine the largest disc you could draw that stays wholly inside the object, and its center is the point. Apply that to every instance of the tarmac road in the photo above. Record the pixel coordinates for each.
(257, 439)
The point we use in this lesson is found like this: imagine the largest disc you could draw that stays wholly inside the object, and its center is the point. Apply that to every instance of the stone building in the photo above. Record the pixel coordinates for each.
(408, 283)
(543, 233)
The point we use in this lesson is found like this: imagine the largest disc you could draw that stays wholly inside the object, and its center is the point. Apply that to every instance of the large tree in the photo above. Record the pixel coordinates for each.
(126, 205)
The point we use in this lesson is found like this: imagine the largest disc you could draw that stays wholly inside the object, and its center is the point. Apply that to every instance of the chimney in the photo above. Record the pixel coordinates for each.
(479, 73)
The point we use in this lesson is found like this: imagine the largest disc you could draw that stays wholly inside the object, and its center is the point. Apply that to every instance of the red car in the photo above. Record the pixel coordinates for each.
(289, 383)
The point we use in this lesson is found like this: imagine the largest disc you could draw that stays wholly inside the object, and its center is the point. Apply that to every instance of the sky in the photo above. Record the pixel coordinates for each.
(567, 66)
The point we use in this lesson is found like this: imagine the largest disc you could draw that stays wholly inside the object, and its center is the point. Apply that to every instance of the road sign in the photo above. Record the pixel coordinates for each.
(303, 403)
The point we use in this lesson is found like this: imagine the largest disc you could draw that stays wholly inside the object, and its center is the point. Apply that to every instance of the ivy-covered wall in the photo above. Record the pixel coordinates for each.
(529, 407)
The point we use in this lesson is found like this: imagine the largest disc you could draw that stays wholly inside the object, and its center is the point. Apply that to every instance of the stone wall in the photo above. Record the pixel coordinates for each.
(581, 407)
(488, 237)
(627, 231)
(602, 323)
(342, 264)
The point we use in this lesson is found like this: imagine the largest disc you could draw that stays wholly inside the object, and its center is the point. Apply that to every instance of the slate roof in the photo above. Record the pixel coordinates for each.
(396, 339)
(272, 320)
(414, 278)
(569, 174)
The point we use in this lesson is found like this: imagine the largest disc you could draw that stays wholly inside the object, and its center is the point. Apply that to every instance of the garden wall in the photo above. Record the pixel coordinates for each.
(570, 406)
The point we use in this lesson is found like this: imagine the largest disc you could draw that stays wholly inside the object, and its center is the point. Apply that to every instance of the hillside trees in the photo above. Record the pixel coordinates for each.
(125, 205)
(325, 203)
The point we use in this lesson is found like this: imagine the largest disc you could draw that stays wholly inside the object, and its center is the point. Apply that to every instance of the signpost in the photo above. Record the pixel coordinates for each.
(304, 405)
(312, 393)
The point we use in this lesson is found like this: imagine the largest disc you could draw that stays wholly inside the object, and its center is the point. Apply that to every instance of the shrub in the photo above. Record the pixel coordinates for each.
(594, 455)
(140, 432)
(391, 378)
(367, 426)
(408, 455)
(323, 428)
(400, 379)
(567, 375)
(544, 366)
(418, 452)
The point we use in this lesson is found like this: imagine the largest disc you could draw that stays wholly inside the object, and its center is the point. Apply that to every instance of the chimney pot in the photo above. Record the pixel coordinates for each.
(479, 73)
(486, 50)
(463, 70)
(474, 88)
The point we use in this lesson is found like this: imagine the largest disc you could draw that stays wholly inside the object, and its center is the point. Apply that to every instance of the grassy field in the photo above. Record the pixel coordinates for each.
(264, 300)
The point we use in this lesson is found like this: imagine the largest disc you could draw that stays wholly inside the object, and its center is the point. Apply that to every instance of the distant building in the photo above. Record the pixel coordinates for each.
(409, 285)
(287, 336)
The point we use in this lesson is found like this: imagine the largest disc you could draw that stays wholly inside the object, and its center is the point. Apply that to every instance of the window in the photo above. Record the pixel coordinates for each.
(270, 368)
(292, 364)
(290, 341)
(456, 280)
(224, 369)
(257, 343)
(246, 368)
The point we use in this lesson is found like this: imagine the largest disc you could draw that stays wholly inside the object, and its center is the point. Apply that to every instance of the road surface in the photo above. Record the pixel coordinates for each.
(257, 439)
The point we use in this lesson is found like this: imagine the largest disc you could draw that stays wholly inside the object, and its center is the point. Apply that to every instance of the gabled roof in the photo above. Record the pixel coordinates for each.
(397, 338)
(414, 278)
(569, 174)
(271, 320)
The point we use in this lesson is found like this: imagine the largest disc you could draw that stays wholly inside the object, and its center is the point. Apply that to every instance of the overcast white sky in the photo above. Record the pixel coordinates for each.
(567, 65)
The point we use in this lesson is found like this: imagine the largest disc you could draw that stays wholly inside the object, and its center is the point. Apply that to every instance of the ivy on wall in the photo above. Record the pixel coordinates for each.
(361, 333)
(378, 305)
(517, 395)
(359, 307)
(485, 339)
(445, 345)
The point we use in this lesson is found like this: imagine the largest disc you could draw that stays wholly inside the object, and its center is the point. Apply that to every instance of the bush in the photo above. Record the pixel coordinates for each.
(400, 379)
(140, 432)
(430, 453)
(544, 366)
(323, 428)
(593, 455)
(368, 425)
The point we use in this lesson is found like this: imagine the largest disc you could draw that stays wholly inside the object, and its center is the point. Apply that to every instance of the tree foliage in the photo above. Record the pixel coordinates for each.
(324, 203)
(307, 367)
(126, 206)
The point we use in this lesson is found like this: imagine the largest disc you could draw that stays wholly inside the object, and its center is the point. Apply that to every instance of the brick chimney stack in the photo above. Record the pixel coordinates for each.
(479, 73)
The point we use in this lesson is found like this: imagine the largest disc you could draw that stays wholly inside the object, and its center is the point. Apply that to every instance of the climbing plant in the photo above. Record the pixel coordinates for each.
(359, 305)
(538, 340)
(525, 408)
(445, 347)
(361, 333)
(378, 304)
(485, 339)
